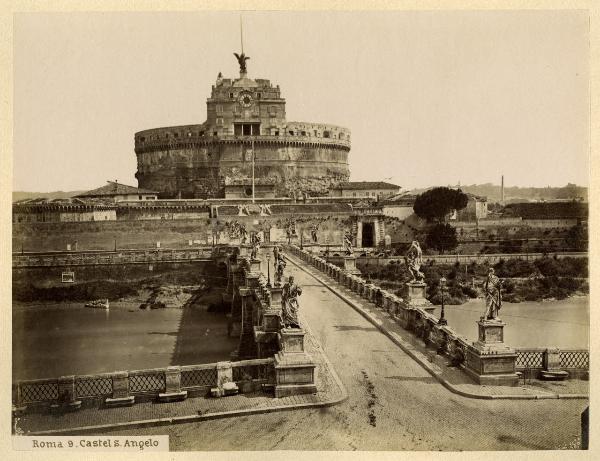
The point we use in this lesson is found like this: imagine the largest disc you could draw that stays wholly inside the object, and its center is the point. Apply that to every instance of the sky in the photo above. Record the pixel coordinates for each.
(431, 98)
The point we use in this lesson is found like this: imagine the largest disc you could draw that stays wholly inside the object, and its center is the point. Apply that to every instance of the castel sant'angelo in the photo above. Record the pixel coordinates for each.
(245, 136)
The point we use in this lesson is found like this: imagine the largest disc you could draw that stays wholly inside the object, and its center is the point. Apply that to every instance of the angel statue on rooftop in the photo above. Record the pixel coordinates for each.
(242, 58)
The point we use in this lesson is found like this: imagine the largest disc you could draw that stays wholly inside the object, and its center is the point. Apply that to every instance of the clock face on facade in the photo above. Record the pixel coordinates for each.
(245, 99)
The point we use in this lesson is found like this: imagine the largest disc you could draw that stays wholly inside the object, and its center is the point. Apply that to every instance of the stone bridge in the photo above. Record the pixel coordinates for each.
(394, 401)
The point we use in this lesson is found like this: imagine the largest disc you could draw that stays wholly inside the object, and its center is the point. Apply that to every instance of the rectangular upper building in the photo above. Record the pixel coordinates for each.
(364, 189)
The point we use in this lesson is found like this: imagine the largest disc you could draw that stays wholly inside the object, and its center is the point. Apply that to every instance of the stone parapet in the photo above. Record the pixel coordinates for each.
(490, 361)
(173, 390)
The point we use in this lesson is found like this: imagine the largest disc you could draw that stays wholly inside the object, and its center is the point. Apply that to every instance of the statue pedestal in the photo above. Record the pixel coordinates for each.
(266, 332)
(491, 333)
(350, 265)
(416, 296)
(255, 265)
(276, 293)
(490, 361)
(294, 368)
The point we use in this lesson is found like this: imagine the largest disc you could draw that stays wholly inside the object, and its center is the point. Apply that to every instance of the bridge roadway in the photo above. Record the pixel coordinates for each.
(393, 404)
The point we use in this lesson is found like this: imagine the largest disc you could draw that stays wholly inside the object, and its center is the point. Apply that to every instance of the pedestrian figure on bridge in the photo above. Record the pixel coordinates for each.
(493, 295)
(314, 233)
(289, 304)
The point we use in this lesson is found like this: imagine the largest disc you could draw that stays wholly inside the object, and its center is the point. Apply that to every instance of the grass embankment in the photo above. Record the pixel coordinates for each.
(545, 278)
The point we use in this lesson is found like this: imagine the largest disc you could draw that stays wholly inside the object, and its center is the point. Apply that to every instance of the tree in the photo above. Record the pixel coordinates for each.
(442, 237)
(577, 238)
(435, 204)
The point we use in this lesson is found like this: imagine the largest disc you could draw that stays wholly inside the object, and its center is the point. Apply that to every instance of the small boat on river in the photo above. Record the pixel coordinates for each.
(98, 304)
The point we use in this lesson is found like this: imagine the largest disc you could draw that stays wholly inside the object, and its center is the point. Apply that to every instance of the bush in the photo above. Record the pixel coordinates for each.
(442, 237)
(548, 266)
(469, 291)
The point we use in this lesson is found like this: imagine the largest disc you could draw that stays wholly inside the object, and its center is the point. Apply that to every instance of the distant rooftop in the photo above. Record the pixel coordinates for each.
(115, 188)
(403, 198)
(549, 210)
(479, 198)
(366, 185)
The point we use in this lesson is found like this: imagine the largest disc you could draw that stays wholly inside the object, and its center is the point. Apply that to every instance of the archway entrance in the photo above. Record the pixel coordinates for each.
(368, 232)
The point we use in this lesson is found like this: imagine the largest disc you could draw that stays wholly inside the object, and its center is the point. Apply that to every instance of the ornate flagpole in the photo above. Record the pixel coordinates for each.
(252, 168)
(241, 34)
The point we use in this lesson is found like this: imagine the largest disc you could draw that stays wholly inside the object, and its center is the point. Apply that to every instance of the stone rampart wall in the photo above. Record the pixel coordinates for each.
(199, 171)
(175, 233)
(319, 130)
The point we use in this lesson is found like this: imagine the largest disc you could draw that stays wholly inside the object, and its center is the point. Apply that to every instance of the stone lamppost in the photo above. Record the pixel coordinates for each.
(442, 320)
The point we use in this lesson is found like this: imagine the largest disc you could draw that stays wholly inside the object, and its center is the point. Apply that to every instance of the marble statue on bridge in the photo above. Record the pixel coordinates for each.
(279, 268)
(255, 246)
(348, 244)
(243, 234)
(414, 260)
(493, 296)
(289, 304)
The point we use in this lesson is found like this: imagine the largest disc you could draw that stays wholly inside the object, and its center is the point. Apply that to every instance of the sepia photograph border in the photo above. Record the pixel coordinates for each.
(6, 181)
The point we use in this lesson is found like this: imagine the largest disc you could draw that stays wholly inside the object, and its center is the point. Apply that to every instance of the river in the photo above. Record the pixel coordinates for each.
(564, 324)
(51, 340)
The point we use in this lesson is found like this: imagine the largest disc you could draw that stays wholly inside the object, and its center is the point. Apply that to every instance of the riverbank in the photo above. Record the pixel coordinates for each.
(546, 278)
(118, 284)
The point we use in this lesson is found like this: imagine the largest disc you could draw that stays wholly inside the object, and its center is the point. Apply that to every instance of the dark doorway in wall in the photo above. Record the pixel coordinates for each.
(368, 232)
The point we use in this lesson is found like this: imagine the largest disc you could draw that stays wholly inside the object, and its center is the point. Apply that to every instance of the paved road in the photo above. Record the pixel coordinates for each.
(393, 403)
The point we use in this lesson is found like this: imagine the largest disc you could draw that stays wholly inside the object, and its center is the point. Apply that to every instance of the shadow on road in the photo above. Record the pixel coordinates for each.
(354, 328)
(420, 379)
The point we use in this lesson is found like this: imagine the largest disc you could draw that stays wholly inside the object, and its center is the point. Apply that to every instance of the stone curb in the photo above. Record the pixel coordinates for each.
(393, 336)
(208, 416)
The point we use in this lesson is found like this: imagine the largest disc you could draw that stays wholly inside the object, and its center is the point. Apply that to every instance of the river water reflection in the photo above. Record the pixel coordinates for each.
(52, 340)
(564, 324)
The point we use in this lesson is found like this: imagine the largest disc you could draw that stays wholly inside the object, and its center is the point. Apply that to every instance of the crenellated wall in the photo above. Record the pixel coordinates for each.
(196, 168)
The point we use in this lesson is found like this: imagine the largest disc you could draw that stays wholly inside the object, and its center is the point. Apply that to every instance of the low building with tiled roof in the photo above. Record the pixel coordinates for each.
(399, 205)
(476, 209)
(119, 192)
(368, 189)
(63, 210)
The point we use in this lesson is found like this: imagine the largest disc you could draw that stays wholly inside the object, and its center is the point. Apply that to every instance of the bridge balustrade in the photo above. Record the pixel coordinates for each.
(139, 383)
(448, 342)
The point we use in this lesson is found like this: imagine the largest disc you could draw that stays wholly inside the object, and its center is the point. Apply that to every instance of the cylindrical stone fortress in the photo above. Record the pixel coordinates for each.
(243, 116)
